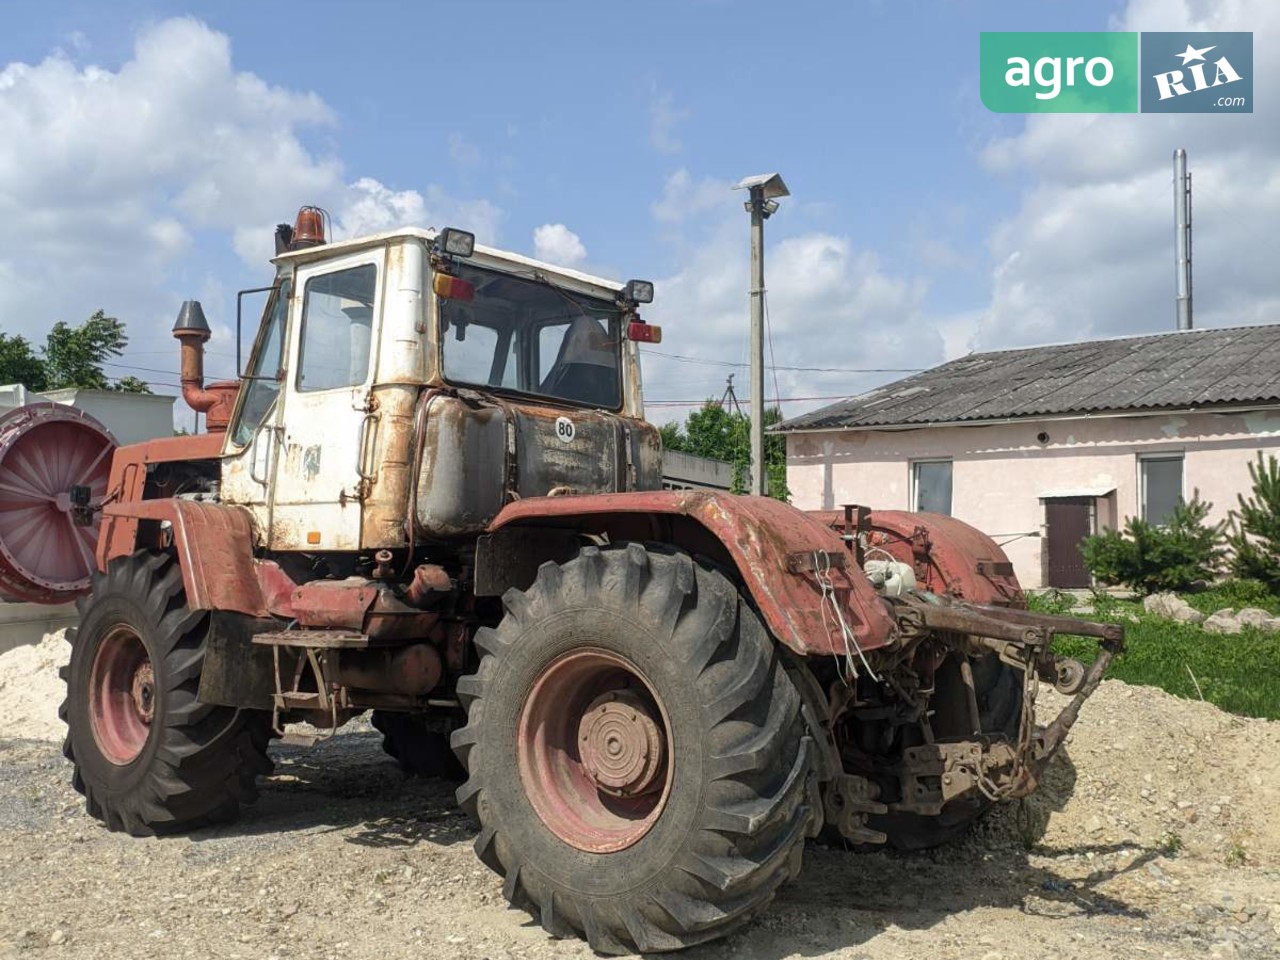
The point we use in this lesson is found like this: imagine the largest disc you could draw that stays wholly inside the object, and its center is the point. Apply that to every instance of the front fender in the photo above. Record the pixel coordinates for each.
(213, 543)
(774, 547)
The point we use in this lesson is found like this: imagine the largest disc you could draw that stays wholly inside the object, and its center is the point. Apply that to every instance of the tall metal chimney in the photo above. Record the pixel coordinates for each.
(1182, 235)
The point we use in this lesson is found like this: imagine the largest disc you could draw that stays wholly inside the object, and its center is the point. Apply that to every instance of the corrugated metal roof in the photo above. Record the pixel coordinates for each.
(1192, 368)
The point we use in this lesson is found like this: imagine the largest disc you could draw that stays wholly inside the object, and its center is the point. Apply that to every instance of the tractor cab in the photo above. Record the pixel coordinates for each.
(414, 374)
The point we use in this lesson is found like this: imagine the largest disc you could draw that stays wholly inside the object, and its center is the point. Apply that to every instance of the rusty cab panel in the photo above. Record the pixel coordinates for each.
(479, 453)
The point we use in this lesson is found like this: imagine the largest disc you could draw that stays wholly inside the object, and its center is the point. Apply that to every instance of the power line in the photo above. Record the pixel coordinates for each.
(712, 400)
(729, 363)
(168, 373)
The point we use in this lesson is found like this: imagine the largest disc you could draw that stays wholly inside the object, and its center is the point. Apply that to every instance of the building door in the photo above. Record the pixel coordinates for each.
(1068, 520)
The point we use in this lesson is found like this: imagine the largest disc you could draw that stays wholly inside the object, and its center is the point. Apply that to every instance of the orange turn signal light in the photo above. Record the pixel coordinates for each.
(644, 332)
(313, 536)
(453, 288)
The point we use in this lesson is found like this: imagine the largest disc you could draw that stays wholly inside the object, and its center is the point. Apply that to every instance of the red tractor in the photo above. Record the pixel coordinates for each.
(432, 494)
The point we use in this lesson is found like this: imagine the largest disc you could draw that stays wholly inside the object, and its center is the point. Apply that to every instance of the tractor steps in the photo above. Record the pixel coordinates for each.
(314, 639)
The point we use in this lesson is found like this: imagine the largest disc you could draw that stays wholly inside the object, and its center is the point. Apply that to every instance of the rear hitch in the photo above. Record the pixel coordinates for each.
(1022, 639)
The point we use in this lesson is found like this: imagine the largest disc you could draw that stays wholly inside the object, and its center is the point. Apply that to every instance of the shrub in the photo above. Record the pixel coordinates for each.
(1236, 594)
(1174, 556)
(1255, 526)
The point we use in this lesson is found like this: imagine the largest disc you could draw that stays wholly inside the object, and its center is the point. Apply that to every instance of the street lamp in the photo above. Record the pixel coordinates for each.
(762, 203)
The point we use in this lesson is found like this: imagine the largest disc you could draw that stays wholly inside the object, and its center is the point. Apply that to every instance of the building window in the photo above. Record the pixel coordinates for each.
(931, 486)
(1160, 482)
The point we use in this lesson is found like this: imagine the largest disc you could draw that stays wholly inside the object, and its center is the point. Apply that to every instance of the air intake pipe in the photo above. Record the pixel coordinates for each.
(217, 400)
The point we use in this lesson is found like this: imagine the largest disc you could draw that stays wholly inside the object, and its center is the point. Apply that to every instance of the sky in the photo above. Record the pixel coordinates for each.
(147, 148)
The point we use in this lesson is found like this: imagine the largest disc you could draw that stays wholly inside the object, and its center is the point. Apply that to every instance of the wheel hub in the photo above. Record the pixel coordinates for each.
(621, 744)
(144, 692)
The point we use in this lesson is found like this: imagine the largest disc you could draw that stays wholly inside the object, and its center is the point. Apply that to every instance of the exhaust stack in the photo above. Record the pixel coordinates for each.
(1182, 235)
(192, 330)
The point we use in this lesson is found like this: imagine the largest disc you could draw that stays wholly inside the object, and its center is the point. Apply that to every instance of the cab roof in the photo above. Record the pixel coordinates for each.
(484, 256)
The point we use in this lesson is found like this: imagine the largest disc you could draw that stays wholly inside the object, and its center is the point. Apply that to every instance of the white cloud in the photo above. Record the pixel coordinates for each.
(116, 184)
(463, 151)
(556, 243)
(832, 308)
(664, 119)
(684, 197)
(1089, 252)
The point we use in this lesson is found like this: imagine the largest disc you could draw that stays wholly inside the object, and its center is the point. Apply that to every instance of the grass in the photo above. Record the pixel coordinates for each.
(1239, 673)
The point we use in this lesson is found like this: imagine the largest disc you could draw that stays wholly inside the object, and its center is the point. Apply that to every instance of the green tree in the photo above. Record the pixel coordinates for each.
(19, 363)
(717, 433)
(672, 437)
(130, 384)
(1255, 526)
(1172, 556)
(71, 357)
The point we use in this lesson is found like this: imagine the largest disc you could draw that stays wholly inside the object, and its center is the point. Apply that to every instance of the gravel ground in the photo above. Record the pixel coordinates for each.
(1156, 835)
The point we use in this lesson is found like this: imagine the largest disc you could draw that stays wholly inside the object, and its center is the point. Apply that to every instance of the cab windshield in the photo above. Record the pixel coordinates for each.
(264, 369)
(527, 336)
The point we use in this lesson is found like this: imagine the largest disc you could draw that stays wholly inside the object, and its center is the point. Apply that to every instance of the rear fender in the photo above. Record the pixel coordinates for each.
(773, 547)
(950, 557)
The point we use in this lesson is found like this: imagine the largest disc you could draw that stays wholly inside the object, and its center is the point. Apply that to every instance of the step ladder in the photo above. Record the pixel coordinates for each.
(316, 648)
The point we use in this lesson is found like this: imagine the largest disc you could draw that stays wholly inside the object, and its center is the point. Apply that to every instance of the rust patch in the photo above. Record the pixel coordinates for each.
(950, 557)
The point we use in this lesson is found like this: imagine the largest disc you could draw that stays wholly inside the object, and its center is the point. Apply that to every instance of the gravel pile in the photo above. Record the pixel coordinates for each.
(1156, 834)
(30, 689)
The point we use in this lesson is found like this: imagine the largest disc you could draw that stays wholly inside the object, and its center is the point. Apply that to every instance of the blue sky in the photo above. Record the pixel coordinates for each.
(911, 234)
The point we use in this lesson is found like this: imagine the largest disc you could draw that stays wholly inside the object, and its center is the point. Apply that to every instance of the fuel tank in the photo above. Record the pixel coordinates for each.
(479, 453)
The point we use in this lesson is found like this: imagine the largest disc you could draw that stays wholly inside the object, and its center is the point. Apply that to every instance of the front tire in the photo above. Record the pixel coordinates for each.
(637, 759)
(149, 756)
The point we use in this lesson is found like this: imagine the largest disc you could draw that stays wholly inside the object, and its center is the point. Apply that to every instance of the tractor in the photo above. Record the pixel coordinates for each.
(432, 494)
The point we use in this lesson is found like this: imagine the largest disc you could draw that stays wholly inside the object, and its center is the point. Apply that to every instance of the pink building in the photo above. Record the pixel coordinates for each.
(1041, 446)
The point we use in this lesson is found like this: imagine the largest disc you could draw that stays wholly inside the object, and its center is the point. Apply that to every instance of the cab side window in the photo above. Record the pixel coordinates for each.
(337, 324)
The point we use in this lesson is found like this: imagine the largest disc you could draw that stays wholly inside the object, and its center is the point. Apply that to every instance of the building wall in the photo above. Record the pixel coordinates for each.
(1000, 472)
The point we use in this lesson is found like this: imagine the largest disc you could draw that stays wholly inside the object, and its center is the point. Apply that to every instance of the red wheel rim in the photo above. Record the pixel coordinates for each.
(122, 695)
(594, 751)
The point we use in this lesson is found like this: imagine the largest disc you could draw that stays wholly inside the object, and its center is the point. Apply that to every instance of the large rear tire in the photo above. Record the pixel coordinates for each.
(149, 756)
(637, 758)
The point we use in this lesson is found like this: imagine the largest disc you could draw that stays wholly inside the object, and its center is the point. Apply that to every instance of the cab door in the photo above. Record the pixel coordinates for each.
(325, 412)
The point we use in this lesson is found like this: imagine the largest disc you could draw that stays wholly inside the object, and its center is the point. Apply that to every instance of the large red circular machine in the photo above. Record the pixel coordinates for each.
(46, 450)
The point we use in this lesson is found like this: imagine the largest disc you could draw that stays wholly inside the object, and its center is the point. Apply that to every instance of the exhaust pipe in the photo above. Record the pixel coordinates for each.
(217, 400)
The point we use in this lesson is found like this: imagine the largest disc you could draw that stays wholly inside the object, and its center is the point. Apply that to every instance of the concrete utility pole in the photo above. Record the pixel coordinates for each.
(1182, 235)
(762, 202)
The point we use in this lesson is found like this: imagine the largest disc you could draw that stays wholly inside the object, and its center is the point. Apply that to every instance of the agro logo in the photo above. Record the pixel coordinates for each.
(1197, 72)
(1173, 84)
(1059, 72)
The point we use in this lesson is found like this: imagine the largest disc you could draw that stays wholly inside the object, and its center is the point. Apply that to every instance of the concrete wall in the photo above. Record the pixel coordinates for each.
(1001, 472)
(24, 623)
(684, 470)
(131, 417)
